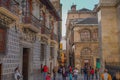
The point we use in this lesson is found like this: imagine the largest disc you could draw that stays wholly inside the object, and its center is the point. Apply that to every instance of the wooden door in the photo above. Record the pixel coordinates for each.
(25, 63)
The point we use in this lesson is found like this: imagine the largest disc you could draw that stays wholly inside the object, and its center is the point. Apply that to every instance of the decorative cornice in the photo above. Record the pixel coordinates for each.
(51, 9)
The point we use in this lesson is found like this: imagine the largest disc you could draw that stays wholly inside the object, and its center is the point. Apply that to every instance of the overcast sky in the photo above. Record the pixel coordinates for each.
(66, 5)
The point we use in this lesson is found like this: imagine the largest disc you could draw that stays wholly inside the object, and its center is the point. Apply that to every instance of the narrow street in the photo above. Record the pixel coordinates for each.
(39, 38)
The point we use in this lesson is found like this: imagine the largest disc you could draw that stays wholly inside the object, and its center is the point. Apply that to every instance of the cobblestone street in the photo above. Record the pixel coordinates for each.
(80, 77)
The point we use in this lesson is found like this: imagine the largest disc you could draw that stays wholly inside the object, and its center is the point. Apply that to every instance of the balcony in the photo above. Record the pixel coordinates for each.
(9, 10)
(31, 22)
(54, 37)
(45, 30)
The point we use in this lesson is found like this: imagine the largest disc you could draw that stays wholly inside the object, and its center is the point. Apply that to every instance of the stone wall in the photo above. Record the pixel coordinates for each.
(11, 59)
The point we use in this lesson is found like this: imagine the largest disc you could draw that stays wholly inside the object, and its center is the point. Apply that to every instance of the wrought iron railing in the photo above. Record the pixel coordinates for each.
(31, 19)
(10, 5)
(54, 37)
(45, 30)
(113, 68)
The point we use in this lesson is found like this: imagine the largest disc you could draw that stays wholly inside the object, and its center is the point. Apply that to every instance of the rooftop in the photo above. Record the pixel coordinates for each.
(91, 20)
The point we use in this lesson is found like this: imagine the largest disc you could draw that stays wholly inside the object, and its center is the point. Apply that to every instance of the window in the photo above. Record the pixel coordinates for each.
(86, 51)
(85, 35)
(42, 51)
(95, 35)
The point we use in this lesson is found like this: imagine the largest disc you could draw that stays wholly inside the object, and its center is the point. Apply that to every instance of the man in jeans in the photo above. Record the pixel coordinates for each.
(75, 73)
(85, 71)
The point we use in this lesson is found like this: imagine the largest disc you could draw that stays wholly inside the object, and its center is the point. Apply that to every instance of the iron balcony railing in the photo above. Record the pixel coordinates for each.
(10, 5)
(45, 30)
(54, 37)
(29, 18)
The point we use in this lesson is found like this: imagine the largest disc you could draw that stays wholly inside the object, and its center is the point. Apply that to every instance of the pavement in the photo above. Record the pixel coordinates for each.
(80, 77)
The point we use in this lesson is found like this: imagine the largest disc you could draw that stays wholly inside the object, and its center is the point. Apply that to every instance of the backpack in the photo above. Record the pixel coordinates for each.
(59, 70)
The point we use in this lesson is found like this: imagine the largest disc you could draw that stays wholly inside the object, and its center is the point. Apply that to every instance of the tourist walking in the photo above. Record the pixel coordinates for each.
(60, 73)
(85, 73)
(17, 75)
(106, 75)
(54, 73)
(96, 74)
(70, 75)
(92, 73)
(45, 71)
(64, 74)
(75, 72)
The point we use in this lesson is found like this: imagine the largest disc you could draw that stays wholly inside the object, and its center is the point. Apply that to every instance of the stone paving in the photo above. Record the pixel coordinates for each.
(80, 77)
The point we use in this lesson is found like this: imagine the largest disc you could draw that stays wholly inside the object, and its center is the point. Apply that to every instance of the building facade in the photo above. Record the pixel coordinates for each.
(63, 55)
(28, 37)
(82, 37)
(108, 20)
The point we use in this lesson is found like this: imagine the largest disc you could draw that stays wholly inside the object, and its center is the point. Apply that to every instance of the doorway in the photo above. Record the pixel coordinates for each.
(0, 71)
(25, 65)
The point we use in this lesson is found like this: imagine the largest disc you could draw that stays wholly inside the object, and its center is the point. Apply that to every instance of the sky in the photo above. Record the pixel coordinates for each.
(66, 5)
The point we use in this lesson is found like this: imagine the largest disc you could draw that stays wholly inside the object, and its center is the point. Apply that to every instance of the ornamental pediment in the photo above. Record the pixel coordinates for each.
(28, 35)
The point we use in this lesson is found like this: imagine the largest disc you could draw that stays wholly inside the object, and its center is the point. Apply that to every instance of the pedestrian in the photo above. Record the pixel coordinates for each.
(75, 73)
(85, 73)
(70, 75)
(17, 74)
(106, 75)
(54, 73)
(48, 76)
(64, 74)
(88, 72)
(92, 73)
(45, 71)
(60, 73)
(96, 74)
(70, 68)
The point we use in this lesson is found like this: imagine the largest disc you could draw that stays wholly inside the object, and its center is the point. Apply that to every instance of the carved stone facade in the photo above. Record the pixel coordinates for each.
(24, 33)
(82, 37)
(108, 19)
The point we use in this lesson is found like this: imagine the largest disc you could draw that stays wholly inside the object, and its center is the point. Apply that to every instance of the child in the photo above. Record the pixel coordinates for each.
(48, 77)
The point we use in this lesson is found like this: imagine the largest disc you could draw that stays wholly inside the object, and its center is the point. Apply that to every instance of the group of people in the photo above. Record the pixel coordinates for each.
(63, 72)
(90, 73)
(69, 72)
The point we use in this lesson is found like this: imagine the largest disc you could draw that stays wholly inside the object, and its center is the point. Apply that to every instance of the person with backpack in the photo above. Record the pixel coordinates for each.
(60, 73)
(106, 75)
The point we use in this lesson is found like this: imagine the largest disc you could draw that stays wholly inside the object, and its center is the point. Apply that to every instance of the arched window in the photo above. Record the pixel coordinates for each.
(86, 51)
(95, 35)
(85, 35)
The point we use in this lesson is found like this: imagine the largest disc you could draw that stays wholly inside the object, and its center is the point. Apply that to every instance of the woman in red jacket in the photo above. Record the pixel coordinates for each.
(45, 70)
(92, 73)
